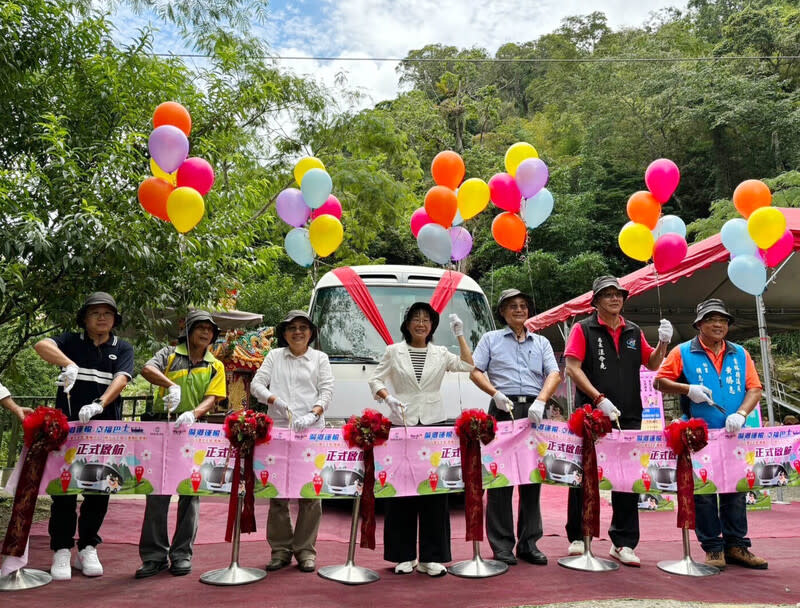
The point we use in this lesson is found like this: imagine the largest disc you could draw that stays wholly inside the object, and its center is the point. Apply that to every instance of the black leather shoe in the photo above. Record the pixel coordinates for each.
(276, 563)
(180, 567)
(533, 557)
(150, 568)
(506, 557)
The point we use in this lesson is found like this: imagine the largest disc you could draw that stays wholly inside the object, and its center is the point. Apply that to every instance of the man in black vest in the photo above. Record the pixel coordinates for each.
(604, 353)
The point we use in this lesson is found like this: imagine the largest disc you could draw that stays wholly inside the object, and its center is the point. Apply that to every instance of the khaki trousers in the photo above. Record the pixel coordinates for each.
(299, 542)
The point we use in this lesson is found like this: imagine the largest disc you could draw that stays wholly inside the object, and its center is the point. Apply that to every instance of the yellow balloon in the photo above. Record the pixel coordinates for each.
(303, 165)
(766, 225)
(319, 461)
(170, 178)
(326, 234)
(750, 458)
(436, 458)
(199, 457)
(185, 208)
(516, 154)
(473, 196)
(542, 448)
(644, 459)
(69, 456)
(636, 241)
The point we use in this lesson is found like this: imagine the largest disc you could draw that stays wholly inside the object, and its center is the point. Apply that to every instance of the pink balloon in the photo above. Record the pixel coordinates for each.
(196, 173)
(779, 251)
(669, 251)
(504, 192)
(418, 219)
(662, 177)
(332, 206)
(462, 243)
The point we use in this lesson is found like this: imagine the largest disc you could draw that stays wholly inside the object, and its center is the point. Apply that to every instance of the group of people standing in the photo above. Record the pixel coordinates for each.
(515, 367)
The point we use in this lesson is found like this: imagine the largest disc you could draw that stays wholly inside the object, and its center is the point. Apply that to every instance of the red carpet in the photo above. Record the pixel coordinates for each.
(774, 533)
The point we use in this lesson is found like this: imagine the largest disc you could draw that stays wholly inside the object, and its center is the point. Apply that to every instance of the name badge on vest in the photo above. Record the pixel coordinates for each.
(631, 343)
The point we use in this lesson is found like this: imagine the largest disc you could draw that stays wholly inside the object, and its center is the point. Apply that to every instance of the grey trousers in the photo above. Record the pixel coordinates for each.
(299, 541)
(154, 542)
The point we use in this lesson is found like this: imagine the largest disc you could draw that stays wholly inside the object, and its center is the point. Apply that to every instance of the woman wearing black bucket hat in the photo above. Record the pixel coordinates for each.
(415, 369)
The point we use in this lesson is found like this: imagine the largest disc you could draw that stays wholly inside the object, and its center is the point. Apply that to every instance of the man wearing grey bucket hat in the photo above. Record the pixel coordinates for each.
(519, 370)
(296, 382)
(190, 382)
(718, 382)
(604, 354)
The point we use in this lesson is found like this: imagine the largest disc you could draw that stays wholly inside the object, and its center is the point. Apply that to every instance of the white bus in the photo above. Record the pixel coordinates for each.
(355, 347)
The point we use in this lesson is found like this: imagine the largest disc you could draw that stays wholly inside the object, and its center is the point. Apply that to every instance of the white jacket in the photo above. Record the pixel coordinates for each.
(423, 399)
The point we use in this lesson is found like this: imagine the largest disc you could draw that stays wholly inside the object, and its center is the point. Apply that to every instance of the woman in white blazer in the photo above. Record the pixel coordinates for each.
(415, 369)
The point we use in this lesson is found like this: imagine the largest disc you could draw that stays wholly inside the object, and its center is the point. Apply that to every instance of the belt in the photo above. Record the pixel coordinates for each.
(522, 398)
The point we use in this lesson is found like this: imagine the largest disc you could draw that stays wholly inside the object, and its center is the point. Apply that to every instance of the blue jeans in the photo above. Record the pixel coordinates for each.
(724, 526)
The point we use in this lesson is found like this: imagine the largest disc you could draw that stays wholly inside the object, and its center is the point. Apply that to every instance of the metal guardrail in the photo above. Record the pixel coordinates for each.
(11, 430)
(786, 396)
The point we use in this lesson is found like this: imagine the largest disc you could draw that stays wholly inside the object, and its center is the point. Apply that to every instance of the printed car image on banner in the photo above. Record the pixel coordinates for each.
(549, 454)
(322, 466)
(107, 457)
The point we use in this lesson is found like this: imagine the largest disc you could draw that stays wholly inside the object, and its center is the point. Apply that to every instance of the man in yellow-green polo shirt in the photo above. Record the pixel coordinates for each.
(191, 381)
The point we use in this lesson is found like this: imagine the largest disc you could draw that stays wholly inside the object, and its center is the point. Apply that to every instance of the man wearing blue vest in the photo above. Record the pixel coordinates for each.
(710, 373)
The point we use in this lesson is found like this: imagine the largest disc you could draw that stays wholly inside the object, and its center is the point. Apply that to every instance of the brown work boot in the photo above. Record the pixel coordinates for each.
(743, 557)
(716, 559)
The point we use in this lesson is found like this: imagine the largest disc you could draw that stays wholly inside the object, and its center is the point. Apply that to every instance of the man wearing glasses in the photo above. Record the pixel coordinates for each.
(718, 382)
(96, 366)
(604, 354)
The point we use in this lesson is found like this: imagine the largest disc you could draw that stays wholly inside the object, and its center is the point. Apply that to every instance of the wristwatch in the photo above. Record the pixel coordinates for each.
(742, 413)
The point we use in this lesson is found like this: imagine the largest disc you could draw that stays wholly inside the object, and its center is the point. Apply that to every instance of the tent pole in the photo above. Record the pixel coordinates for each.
(570, 391)
(765, 360)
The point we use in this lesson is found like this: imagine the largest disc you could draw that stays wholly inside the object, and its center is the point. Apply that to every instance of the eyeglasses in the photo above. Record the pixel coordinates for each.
(421, 320)
(516, 307)
(101, 314)
(611, 295)
(719, 320)
(298, 328)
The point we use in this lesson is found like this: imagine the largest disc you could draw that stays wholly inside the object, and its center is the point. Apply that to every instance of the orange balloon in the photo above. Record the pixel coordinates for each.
(448, 169)
(441, 205)
(750, 195)
(153, 194)
(643, 208)
(509, 231)
(172, 113)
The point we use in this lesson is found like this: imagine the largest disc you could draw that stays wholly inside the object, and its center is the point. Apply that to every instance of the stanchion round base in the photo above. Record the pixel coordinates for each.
(687, 567)
(349, 574)
(477, 567)
(233, 575)
(24, 578)
(588, 563)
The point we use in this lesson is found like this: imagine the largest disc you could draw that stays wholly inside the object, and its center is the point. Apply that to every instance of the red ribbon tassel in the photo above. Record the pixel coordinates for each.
(368, 501)
(472, 474)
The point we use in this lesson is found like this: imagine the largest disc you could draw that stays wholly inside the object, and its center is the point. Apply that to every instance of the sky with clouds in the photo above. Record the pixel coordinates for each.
(391, 28)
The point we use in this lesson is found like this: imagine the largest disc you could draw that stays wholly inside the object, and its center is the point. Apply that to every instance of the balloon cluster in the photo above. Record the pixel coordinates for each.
(175, 191)
(521, 194)
(757, 241)
(312, 202)
(649, 234)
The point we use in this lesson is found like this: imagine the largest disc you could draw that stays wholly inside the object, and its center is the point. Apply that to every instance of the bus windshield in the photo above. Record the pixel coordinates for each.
(345, 334)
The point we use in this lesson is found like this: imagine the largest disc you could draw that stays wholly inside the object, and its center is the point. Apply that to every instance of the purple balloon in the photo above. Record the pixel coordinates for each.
(531, 176)
(169, 147)
(462, 243)
(292, 208)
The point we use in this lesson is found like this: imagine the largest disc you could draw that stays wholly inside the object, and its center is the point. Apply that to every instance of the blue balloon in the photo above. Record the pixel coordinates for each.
(748, 273)
(298, 247)
(538, 208)
(670, 224)
(458, 220)
(736, 239)
(434, 242)
(316, 187)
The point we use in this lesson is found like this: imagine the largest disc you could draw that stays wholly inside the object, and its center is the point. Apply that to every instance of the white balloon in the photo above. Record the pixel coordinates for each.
(434, 242)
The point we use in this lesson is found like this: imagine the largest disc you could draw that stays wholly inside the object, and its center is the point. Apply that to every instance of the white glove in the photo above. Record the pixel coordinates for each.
(536, 411)
(89, 411)
(301, 423)
(734, 423)
(395, 405)
(68, 377)
(279, 408)
(502, 402)
(185, 419)
(456, 325)
(699, 393)
(665, 331)
(173, 398)
(608, 408)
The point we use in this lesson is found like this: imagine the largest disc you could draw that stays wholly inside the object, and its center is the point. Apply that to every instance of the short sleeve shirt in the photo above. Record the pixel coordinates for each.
(576, 343)
(513, 367)
(672, 366)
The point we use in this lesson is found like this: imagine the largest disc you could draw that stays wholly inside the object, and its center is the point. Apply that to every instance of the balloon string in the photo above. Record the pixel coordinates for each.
(658, 292)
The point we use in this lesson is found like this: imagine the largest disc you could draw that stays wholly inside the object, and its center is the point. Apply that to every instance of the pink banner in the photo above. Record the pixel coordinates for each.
(151, 457)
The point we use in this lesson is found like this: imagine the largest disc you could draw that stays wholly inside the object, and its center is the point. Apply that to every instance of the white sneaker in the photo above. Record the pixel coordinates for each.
(405, 567)
(625, 555)
(60, 570)
(576, 547)
(432, 568)
(88, 563)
